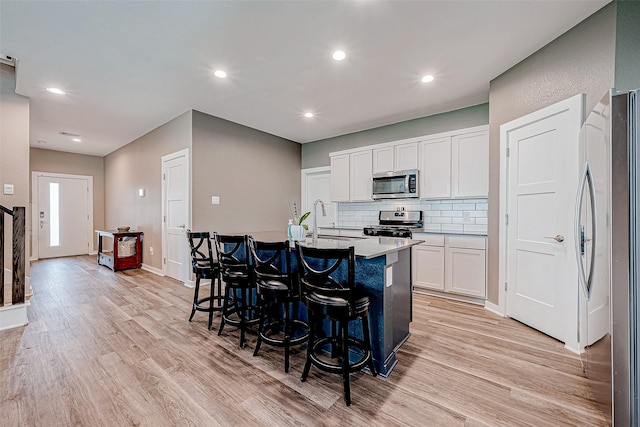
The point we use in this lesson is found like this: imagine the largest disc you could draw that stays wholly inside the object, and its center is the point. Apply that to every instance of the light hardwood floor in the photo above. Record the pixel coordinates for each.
(116, 349)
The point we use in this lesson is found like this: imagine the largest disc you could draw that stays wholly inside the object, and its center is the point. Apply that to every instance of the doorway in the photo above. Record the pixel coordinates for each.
(176, 217)
(316, 184)
(62, 215)
(539, 177)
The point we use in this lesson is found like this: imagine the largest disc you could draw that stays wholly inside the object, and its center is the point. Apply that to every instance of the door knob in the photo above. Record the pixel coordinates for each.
(182, 226)
(558, 238)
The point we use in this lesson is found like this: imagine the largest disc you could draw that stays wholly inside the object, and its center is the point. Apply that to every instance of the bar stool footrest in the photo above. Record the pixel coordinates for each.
(336, 368)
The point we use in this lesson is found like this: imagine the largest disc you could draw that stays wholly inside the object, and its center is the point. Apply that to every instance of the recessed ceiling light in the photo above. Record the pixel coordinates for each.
(220, 74)
(55, 90)
(40, 141)
(339, 55)
(308, 115)
(428, 78)
(76, 140)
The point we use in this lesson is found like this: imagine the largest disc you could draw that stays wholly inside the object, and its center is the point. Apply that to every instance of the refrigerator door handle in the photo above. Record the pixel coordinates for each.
(594, 221)
(579, 230)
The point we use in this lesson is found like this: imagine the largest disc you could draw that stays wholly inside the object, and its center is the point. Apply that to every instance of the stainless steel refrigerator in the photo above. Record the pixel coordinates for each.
(606, 238)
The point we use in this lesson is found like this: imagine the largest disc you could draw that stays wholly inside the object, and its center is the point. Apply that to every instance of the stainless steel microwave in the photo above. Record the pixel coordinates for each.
(396, 185)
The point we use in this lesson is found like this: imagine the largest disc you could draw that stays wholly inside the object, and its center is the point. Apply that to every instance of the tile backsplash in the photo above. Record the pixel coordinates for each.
(465, 216)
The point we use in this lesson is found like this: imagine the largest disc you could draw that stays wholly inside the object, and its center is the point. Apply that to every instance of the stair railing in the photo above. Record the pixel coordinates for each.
(18, 254)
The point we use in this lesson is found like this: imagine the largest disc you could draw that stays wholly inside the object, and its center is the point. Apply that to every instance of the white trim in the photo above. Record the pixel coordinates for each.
(180, 153)
(14, 316)
(495, 309)
(480, 128)
(34, 210)
(153, 270)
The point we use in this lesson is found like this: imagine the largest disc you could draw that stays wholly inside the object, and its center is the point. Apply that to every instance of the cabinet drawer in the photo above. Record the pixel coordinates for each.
(430, 239)
(466, 242)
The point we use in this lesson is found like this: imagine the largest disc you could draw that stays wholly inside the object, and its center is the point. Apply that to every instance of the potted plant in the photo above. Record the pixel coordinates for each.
(297, 229)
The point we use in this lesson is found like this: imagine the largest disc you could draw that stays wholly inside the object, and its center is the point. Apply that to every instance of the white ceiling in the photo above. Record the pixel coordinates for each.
(128, 67)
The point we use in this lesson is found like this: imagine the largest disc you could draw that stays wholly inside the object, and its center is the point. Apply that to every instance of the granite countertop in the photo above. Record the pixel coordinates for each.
(365, 247)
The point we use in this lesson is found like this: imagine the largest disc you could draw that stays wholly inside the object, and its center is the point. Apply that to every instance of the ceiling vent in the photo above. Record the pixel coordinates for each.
(8, 60)
(75, 135)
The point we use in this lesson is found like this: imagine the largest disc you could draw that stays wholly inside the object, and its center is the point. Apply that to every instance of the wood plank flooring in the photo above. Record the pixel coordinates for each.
(116, 349)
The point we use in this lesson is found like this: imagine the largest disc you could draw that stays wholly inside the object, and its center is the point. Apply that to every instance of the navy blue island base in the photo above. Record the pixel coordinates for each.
(383, 268)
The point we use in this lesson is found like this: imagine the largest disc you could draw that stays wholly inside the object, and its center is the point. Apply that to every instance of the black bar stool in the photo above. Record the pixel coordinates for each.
(278, 293)
(341, 301)
(204, 267)
(238, 307)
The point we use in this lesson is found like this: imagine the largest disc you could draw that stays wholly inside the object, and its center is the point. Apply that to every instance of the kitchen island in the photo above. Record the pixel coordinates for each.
(383, 268)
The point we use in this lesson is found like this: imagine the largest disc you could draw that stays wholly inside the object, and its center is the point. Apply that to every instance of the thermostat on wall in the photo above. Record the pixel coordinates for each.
(8, 189)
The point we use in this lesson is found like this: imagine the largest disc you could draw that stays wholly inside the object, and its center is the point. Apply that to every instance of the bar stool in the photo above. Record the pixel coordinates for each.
(233, 256)
(204, 267)
(278, 290)
(341, 301)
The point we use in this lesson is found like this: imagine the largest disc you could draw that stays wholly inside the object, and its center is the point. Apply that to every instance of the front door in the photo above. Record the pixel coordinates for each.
(542, 173)
(63, 217)
(175, 184)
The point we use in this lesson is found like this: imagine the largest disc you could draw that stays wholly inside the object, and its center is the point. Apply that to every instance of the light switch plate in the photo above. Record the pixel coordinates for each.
(8, 189)
(215, 200)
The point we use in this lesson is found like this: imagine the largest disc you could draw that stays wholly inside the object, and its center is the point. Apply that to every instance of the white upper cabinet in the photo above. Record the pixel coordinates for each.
(406, 156)
(395, 157)
(455, 166)
(435, 168)
(360, 178)
(351, 176)
(470, 165)
(450, 165)
(383, 159)
(340, 178)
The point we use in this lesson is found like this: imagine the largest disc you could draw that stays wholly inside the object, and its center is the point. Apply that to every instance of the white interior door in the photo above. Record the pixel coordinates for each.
(176, 217)
(316, 184)
(542, 173)
(63, 215)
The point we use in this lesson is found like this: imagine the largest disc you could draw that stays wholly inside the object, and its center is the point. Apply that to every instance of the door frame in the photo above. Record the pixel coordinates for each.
(574, 102)
(186, 279)
(34, 210)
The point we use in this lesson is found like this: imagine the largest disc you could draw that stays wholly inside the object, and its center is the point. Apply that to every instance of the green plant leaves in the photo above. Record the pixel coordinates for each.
(303, 217)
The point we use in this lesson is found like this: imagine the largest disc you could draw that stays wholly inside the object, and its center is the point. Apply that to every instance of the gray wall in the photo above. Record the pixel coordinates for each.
(628, 45)
(14, 159)
(316, 153)
(139, 165)
(254, 174)
(579, 61)
(75, 164)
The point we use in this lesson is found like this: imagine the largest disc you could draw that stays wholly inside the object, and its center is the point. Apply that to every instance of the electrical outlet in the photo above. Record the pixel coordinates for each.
(215, 200)
(466, 217)
(151, 250)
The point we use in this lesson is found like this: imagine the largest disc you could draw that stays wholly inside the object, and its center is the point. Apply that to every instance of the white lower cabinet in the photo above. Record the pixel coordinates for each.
(428, 264)
(450, 264)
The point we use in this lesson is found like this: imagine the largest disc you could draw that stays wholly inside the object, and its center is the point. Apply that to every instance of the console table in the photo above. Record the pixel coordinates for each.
(126, 252)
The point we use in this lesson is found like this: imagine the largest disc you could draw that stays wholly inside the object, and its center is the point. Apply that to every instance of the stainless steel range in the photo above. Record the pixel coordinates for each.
(396, 224)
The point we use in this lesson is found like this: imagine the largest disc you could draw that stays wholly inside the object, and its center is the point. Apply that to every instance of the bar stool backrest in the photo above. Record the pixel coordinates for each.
(201, 251)
(235, 258)
(271, 260)
(318, 266)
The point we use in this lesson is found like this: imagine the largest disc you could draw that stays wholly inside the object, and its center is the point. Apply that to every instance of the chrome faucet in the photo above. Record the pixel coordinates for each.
(315, 219)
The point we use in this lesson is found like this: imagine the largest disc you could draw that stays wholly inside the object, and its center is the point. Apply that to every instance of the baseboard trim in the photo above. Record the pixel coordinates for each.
(152, 270)
(14, 316)
(494, 308)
